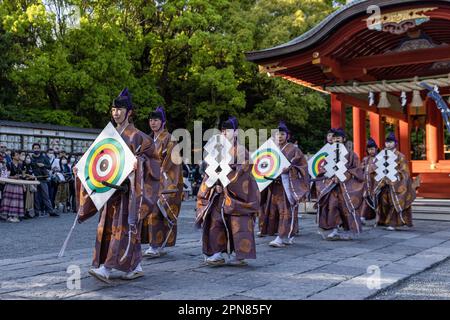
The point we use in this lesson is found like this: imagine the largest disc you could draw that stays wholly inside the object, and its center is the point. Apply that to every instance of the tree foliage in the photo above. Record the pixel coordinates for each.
(63, 61)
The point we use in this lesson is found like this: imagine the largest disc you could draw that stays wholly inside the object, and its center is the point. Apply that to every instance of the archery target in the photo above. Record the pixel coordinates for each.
(268, 161)
(318, 163)
(109, 159)
(266, 164)
(105, 162)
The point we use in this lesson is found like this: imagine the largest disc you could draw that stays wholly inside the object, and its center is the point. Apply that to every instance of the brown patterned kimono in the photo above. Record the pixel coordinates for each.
(279, 211)
(159, 228)
(339, 204)
(394, 199)
(368, 205)
(123, 209)
(228, 218)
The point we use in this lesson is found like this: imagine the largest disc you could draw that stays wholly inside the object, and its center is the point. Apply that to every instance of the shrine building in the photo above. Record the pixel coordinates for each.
(375, 57)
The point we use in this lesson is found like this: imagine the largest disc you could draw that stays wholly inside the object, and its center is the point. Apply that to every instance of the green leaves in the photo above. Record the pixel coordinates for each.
(187, 55)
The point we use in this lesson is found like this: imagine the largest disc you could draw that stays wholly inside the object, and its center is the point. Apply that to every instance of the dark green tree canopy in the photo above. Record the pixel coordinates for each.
(63, 61)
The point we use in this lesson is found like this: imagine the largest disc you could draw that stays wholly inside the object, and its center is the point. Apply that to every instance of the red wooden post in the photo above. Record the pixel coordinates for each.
(337, 112)
(376, 129)
(404, 139)
(432, 133)
(359, 131)
(440, 133)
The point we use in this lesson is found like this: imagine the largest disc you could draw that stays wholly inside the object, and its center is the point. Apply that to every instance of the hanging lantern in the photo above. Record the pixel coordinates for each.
(417, 101)
(384, 101)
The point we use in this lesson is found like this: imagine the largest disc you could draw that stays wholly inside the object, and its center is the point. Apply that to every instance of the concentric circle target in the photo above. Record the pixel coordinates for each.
(318, 163)
(105, 162)
(265, 164)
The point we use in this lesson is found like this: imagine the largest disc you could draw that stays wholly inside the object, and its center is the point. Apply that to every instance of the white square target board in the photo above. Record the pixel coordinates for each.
(268, 163)
(108, 159)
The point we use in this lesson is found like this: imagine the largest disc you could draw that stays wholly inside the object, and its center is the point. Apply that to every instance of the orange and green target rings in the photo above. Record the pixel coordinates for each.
(105, 162)
(318, 163)
(265, 164)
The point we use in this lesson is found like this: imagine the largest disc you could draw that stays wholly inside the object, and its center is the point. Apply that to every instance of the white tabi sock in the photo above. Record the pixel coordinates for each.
(278, 240)
(138, 268)
(105, 271)
(216, 256)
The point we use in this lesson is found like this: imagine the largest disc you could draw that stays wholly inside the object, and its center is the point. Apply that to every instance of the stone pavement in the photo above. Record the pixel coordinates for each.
(309, 269)
(433, 284)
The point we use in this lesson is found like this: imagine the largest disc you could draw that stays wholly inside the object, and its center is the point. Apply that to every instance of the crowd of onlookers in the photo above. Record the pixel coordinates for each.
(53, 192)
(192, 179)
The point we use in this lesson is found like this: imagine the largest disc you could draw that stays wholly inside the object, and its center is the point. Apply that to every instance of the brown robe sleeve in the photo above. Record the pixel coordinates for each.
(171, 184)
(242, 196)
(86, 208)
(406, 194)
(354, 169)
(147, 178)
(204, 199)
(298, 174)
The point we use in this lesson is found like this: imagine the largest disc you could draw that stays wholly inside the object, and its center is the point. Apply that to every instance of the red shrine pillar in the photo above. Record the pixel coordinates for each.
(377, 129)
(397, 131)
(337, 112)
(404, 138)
(359, 131)
(440, 131)
(432, 133)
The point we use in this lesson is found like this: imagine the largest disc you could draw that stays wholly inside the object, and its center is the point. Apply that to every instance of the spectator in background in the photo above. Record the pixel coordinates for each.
(196, 179)
(30, 190)
(11, 208)
(187, 187)
(3, 174)
(40, 165)
(22, 157)
(53, 180)
(72, 199)
(4, 155)
(72, 161)
(27, 166)
(64, 176)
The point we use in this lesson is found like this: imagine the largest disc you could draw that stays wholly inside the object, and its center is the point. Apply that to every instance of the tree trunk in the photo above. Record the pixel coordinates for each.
(53, 97)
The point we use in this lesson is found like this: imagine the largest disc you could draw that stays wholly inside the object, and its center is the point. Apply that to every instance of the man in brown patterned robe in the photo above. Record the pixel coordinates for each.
(280, 209)
(328, 140)
(227, 214)
(338, 203)
(394, 199)
(159, 229)
(368, 165)
(118, 243)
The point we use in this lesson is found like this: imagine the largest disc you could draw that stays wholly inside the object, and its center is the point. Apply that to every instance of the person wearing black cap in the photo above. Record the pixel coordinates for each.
(227, 213)
(368, 164)
(339, 203)
(159, 229)
(395, 199)
(118, 243)
(279, 214)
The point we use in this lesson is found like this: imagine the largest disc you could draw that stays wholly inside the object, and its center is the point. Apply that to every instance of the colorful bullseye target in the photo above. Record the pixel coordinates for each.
(109, 161)
(105, 162)
(318, 163)
(266, 164)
